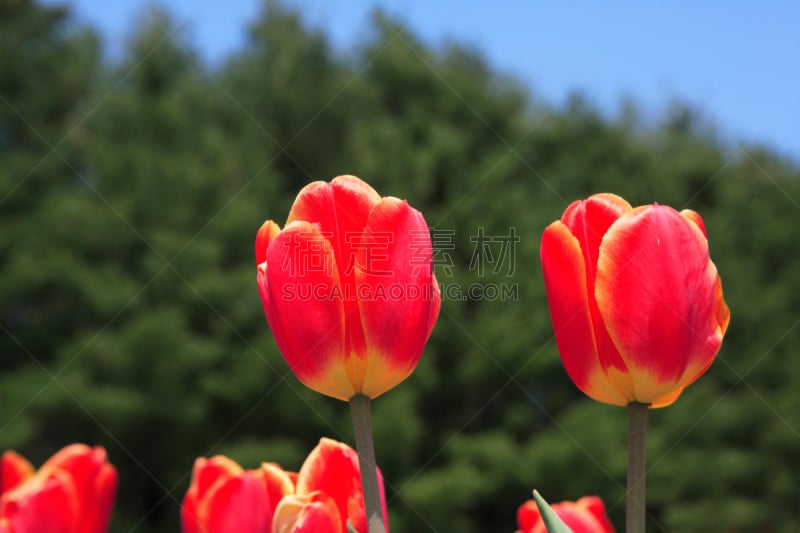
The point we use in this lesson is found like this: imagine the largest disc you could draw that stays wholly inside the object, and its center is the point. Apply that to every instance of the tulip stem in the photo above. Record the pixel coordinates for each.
(362, 423)
(637, 465)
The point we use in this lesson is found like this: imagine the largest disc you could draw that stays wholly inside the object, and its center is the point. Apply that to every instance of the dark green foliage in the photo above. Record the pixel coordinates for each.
(129, 316)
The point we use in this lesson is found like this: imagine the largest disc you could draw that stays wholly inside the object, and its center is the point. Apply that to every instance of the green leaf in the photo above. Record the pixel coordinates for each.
(350, 528)
(551, 520)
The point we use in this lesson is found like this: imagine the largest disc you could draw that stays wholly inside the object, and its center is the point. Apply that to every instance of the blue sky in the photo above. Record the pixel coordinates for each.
(737, 61)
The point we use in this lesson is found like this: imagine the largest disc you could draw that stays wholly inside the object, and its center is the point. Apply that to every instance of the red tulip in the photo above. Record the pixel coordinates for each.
(223, 497)
(323, 496)
(635, 301)
(587, 515)
(73, 492)
(348, 287)
(332, 468)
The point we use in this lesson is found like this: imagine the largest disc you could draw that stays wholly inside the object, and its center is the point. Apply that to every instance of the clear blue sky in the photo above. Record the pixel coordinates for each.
(738, 61)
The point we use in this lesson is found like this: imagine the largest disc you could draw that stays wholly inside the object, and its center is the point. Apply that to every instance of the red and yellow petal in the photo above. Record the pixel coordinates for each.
(236, 504)
(206, 473)
(189, 518)
(265, 235)
(98, 508)
(46, 502)
(594, 507)
(339, 209)
(332, 468)
(341, 205)
(307, 513)
(588, 220)
(564, 271)
(657, 290)
(397, 296)
(696, 219)
(277, 483)
(95, 482)
(14, 469)
(303, 301)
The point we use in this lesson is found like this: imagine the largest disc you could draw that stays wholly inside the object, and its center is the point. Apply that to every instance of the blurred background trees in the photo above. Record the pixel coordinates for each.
(130, 194)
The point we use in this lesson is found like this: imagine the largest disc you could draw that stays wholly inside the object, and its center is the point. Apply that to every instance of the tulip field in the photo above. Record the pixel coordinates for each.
(305, 290)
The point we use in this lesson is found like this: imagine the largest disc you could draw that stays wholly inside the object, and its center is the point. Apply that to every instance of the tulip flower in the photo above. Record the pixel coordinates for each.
(587, 515)
(349, 293)
(635, 301)
(637, 309)
(224, 497)
(333, 468)
(348, 287)
(325, 495)
(73, 492)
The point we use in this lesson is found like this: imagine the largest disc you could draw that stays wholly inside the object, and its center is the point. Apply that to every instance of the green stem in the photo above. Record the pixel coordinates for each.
(362, 423)
(637, 465)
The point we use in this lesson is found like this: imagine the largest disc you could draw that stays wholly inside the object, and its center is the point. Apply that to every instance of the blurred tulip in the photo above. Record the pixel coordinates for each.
(635, 301)
(323, 496)
(223, 497)
(73, 492)
(332, 468)
(587, 515)
(348, 287)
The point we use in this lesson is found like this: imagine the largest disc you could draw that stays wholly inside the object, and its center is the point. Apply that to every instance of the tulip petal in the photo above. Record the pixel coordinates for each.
(564, 271)
(277, 483)
(303, 301)
(695, 217)
(14, 469)
(332, 468)
(208, 471)
(339, 210)
(577, 521)
(265, 235)
(205, 474)
(95, 483)
(339, 207)
(661, 299)
(105, 490)
(46, 502)
(307, 513)
(594, 506)
(436, 305)
(236, 504)
(588, 220)
(398, 297)
(189, 519)
(529, 520)
(587, 515)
